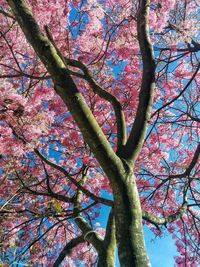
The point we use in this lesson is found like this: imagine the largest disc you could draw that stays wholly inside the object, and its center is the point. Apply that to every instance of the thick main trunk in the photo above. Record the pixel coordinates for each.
(107, 258)
(129, 229)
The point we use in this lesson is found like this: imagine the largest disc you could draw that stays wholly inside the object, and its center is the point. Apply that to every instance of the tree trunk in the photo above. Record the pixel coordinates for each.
(129, 228)
(107, 258)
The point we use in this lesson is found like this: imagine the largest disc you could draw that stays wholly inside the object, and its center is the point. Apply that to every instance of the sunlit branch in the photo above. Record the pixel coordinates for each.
(120, 118)
(67, 89)
(166, 219)
(110, 229)
(139, 128)
(109, 242)
(10, 199)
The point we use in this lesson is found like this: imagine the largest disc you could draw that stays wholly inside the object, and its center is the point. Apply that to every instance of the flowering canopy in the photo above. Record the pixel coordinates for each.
(54, 177)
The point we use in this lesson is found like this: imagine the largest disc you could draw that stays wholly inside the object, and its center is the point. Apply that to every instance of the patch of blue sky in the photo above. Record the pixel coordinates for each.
(79, 19)
(161, 250)
(118, 68)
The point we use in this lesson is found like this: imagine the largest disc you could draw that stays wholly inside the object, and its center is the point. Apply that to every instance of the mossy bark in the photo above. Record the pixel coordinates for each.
(129, 228)
(107, 258)
(107, 255)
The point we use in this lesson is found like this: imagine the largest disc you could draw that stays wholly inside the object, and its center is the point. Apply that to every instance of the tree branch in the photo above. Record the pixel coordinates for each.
(139, 128)
(165, 220)
(89, 234)
(6, 14)
(107, 256)
(67, 89)
(175, 98)
(191, 165)
(68, 249)
(181, 175)
(120, 118)
(110, 229)
(195, 47)
(74, 182)
(39, 193)
(192, 117)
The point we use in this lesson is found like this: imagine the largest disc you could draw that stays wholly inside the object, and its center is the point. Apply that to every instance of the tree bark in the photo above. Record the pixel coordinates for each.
(107, 259)
(107, 255)
(128, 218)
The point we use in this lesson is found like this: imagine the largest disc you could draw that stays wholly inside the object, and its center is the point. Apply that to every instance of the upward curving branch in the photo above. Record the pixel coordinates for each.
(139, 128)
(120, 118)
(67, 89)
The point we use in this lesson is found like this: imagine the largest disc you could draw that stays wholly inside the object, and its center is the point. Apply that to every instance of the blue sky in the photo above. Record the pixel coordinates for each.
(161, 250)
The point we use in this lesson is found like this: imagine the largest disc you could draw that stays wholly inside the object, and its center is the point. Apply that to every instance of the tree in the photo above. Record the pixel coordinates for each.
(99, 107)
